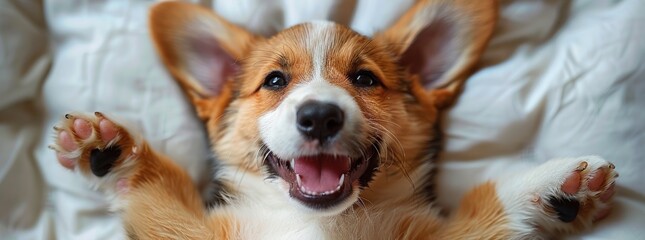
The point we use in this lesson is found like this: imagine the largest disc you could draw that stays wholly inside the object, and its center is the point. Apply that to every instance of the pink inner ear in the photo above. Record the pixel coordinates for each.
(209, 64)
(434, 51)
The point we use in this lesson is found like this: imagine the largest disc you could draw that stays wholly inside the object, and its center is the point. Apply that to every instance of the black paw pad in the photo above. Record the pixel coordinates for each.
(566, 208)
(101, 161)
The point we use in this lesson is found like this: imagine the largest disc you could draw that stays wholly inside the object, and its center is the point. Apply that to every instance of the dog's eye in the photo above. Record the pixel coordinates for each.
(364, 79)
(274, 81)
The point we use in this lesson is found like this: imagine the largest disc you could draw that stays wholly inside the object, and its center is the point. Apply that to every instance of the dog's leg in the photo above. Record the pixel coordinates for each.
(560, 196)
(157, 199)
(557, 197)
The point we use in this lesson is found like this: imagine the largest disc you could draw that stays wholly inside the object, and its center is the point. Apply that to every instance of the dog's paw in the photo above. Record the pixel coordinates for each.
(93, 145)
(561, 195)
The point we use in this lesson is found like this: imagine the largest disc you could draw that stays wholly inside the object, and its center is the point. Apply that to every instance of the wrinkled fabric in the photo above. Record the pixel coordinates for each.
(560, 78)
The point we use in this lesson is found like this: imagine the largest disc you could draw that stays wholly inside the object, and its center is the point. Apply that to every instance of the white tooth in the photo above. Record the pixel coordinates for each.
(292, 163)
(304, 190)
(299, 180)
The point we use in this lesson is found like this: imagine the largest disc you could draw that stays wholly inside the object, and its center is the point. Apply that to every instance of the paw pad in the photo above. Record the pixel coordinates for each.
(101, 161)
(586, 191)
(90, 142)
(566, 208)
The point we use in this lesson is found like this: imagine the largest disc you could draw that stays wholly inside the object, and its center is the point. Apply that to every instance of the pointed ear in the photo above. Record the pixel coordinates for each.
(439, 42)
(200, 49)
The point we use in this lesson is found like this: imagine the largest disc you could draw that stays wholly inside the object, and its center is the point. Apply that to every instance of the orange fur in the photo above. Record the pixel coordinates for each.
(472, 220)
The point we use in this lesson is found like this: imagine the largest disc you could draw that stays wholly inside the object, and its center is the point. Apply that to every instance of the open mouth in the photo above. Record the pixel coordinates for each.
(321, 181)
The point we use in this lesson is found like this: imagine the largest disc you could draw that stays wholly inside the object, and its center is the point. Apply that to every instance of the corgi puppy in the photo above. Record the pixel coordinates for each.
(322, 133)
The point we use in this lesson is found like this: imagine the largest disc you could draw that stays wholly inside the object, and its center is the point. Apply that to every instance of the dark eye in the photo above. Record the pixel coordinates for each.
(364, 78)
(274, 81)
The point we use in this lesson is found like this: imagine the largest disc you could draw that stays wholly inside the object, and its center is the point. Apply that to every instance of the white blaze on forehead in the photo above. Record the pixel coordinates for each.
(320, 39)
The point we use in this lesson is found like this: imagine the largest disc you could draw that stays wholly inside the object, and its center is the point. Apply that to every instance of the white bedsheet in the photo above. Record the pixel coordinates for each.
(561, 78)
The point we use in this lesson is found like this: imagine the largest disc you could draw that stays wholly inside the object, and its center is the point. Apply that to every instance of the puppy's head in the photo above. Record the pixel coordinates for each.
(319, 108)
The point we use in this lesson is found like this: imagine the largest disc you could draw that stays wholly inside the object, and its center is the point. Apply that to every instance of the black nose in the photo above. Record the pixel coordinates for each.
(318, 120)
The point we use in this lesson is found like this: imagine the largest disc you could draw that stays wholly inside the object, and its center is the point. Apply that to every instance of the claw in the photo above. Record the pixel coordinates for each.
(582, 166)
(98, 114)
(535, 199)
(68, 116)
(612, 166)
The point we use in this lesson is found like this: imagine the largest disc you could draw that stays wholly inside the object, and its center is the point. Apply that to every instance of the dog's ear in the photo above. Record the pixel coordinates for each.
(200, 49)
(439, 42)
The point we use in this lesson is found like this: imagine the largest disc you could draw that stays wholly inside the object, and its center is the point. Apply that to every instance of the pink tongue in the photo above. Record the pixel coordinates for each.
(321, 173)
